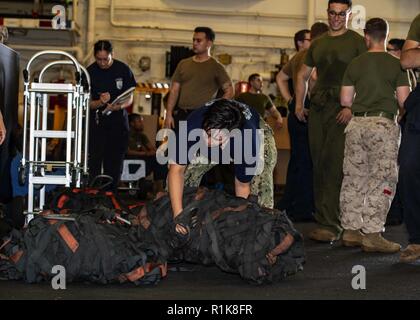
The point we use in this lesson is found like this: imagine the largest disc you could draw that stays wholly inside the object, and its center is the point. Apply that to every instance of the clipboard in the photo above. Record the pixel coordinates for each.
(121, 99)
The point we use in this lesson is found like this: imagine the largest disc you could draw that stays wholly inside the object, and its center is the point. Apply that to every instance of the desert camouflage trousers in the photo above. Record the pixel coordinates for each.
(370, 173)
(262, 184)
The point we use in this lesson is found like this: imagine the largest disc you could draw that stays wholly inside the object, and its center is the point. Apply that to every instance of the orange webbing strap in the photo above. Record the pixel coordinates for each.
(163, 269)
(91, 191)
(139, 273)
(136, 205)
(86, 190)
(136, 274)
(16, 257)
(111, 195)
(5, 243)
(66, 235)
(215, 214)
(63, 199)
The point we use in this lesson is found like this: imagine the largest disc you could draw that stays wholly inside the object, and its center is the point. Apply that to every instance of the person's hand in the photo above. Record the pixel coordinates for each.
(178, 227)
(169, 121)
(112, 107)
(301, 113)
(344, 116)
(2, 130)
(279, 122)
(105, 97)
(181, 229)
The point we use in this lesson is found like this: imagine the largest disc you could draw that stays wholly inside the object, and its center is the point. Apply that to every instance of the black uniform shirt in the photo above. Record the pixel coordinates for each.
(115, 80)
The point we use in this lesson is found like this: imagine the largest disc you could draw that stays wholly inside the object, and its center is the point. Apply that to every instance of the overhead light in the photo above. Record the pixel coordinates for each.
(148, 95)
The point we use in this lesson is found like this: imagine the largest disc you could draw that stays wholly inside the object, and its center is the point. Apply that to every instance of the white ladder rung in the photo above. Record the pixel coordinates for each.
(51, 134)
(52, 87)
(60, 180)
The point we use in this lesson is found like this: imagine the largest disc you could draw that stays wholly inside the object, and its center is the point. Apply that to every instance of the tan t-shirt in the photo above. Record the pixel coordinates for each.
(292, 68)
(199, 81)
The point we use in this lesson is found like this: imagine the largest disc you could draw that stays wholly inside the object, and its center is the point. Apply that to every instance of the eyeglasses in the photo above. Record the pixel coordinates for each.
(333, 14)
(306, 39)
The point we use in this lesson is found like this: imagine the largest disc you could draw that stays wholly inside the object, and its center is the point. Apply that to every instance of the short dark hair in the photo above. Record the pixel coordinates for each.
(300, 36)
(318, 29)
(253, 76)
(102, 45)
(224, 114)
(397, 43)
(347, 2)
(377, 28)
(210, 35)
(133, 116)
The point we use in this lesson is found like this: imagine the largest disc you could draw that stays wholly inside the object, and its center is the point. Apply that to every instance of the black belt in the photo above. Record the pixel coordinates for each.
(382, 114)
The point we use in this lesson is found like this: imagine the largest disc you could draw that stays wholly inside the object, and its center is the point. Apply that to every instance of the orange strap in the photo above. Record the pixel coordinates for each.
(67, 236)
(135, 274)
(138, 204)
(141, 271)
(163, 269)
(16, 257)
(91, 191)
(5, 243)
(215, 214)
(63, 199)
(111, 195)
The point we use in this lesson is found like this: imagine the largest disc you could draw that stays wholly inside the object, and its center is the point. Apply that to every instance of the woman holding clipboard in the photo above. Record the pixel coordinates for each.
(108, 132)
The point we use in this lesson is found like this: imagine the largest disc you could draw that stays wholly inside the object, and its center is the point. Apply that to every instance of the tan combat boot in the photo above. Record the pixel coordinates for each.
(352, 238)
(374, 242)
(323, 235)
(410, 254)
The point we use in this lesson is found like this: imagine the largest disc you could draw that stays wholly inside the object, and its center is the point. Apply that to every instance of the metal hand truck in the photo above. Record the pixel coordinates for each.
(34, 162)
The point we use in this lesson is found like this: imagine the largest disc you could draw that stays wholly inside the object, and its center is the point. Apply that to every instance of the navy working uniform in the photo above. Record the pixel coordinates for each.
(257, 170)
(108, 134)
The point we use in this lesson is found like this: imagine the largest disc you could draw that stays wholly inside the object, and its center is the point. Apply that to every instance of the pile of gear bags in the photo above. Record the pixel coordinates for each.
(97, 238)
